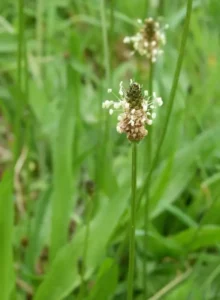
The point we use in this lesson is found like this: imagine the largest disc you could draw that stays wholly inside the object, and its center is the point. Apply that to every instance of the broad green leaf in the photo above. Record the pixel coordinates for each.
(203, 146)
(106, 281)
(63, 274)
(196, 238)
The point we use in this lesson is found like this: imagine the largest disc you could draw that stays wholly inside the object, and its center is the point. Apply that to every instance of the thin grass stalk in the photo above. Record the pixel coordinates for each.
(148, 155)
(112, 25)
(161, 8)
(105, 149)
(20, 40)
(132, 223)
(26, 75)
(6, 236)
(17, 130)
(39, 31)
(150, 137)
(171, 100)
(147, 8)
(105, 41)
(39, 51)
(88, 215)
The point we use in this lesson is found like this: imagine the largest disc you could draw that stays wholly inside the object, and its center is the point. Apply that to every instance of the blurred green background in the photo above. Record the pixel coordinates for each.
(65, 171)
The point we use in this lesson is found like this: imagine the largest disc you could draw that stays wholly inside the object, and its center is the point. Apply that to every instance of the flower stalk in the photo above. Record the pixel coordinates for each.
(132, 223)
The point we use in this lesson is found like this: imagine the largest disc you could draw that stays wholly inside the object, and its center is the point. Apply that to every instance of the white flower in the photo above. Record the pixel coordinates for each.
(159, 101)
(106, 104)
(154, 115)
(127, 40)
(136, 110)
(149, 40)
(117, 105)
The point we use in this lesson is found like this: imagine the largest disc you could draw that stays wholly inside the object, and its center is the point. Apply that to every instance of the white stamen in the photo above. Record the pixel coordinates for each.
(159, 101)
(106, 104)
(117, 105)
(126, 40)
(126, 105)
(111, 111)
(121, 88)
(154, 115)
(109, 90)
(144, 105)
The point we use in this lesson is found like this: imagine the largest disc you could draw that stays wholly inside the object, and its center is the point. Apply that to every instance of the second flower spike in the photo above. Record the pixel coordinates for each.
(149, 40)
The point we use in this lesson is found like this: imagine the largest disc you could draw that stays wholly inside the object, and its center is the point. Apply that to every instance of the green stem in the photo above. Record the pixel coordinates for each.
(39, 31)
(105, 41)
(17, 129)
(132, 223)
(112, 25)
(147, 8)
(171, 99)
(150, 91)
(104, 159)
(149, 157)
(88, 213)
(161, 8)
(20, 40)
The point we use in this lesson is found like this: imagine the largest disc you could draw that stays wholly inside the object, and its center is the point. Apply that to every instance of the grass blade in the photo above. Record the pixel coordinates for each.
(6, 235)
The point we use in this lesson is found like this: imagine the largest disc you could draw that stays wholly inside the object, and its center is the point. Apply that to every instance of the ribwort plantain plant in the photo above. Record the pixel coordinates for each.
(137, 110)
(148, 42)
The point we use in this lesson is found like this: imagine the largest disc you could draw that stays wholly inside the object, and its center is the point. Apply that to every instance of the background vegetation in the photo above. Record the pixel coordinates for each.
(64, 207)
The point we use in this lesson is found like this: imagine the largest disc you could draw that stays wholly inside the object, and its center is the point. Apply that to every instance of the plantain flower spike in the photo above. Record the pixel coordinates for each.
(136, 109)
(149, 40)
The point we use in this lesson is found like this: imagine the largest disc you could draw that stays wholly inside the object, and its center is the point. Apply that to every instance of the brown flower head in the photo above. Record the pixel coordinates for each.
(137, 110)
(149, 40)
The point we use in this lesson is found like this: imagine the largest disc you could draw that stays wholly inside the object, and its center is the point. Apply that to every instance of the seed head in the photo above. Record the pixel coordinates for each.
(136, 110)
(149, 40)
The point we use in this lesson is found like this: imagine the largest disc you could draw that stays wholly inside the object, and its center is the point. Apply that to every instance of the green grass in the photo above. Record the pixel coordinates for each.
(56, 62)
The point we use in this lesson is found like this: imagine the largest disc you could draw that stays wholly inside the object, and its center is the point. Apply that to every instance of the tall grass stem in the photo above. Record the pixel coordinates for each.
(88, 215)
(39, 30)
(105, 149)
(148, 155)
(132, 223)
(17, 144)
